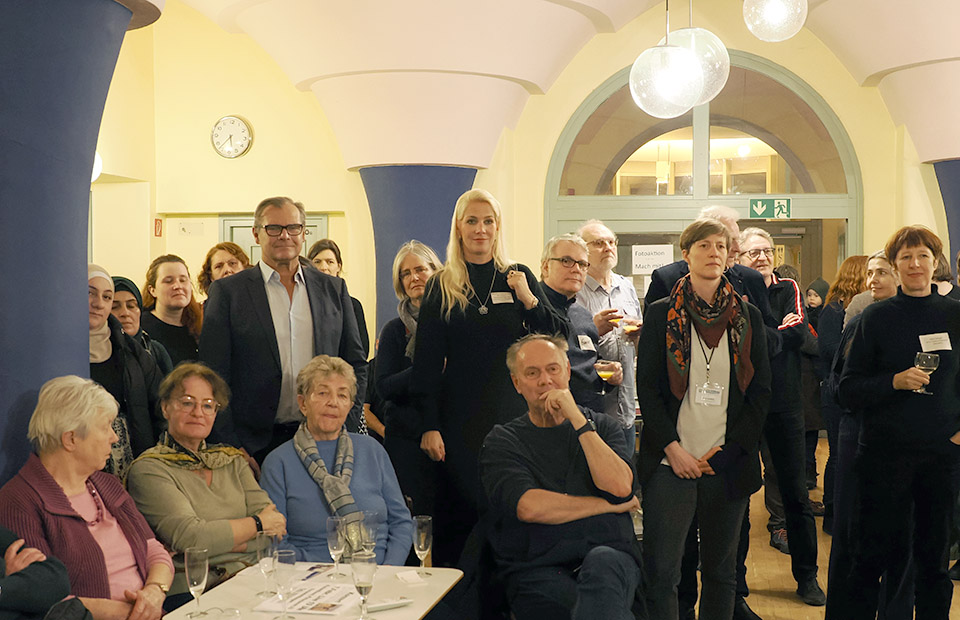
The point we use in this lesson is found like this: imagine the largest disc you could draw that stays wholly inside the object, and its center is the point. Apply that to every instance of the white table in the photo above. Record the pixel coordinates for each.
(241, 593)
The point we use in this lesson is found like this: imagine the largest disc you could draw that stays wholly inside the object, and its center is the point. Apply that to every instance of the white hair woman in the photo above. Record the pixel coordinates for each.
(413, 266)
(703, 382)
(62, 504)
(325, 471)
(473, 309)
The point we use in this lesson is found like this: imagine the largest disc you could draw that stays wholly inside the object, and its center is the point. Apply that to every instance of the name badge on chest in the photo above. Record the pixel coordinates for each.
(935, 342)
(501, 298)
(585, 343)
(709, 394)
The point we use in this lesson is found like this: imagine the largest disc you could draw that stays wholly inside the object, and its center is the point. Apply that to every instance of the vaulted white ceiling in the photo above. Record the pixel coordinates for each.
(389, 73)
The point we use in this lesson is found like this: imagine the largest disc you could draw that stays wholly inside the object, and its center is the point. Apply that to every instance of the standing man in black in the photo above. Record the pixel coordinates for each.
(262, 325)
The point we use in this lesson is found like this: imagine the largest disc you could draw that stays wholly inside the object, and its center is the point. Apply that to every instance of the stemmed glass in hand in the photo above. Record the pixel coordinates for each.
(266, 560)
(336, 542)
(423, 540)
(196, 562)
(284, 575)
(364, 565)
(605, 369)
(927, 362)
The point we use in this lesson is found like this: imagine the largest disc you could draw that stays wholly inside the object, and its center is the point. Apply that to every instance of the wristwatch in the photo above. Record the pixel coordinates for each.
(258, 522)
(163, 588)
(586, 428)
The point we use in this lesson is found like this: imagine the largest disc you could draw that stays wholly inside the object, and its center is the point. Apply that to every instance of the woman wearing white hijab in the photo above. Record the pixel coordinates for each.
(124, 369)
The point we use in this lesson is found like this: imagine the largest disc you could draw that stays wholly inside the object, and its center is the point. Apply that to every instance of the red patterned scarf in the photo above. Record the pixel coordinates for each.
(727, 314)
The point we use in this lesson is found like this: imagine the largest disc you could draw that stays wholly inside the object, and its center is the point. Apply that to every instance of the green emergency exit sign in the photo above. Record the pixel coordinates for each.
(770, 208)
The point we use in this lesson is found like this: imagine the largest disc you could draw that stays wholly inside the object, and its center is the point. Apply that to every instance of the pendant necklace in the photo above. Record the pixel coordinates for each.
(483, 306)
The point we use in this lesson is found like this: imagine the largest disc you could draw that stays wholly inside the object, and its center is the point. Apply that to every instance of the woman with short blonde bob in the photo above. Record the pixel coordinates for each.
(62, 504)
(473, 309)
(703, 382)
(325, 471)
(195, 494)
(413, 266)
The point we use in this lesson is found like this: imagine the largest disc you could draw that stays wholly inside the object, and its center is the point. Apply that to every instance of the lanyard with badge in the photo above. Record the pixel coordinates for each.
(707, 394)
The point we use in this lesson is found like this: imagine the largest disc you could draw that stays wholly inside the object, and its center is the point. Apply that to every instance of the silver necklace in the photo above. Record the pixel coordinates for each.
(483, 306)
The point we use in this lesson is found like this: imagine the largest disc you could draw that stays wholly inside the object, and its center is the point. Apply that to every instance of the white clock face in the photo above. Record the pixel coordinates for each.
(231, 136)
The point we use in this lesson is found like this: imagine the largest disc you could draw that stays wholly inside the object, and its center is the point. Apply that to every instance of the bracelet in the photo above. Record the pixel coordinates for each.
(163, 588)
(259, 523)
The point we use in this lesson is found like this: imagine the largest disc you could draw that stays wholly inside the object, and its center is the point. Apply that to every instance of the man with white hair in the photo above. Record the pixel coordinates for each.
(607, 296)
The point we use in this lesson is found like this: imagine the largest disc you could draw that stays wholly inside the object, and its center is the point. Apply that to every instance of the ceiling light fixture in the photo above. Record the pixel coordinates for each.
(774, 20)
(666, 80)
(711, 54)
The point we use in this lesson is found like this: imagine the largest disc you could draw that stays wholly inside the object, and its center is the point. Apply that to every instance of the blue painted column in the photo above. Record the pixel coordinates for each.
(948, 176)
(409, 202)
(56, 61)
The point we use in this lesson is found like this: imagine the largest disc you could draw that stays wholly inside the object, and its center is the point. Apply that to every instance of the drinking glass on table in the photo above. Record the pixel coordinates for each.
(336, 542)
(196, 564)
(926, 362)
(370, 527)
(266, 561)
(423, 540)
(285, 578)
(364, 566)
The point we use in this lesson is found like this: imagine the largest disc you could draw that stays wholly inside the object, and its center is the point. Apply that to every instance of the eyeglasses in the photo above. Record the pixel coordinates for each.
(275, 230)
(600, 243)
(755, 254)
(568, 262)
(188, 404)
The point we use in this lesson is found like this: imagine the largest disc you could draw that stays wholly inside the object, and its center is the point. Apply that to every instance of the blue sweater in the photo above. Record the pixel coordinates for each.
(374, 487)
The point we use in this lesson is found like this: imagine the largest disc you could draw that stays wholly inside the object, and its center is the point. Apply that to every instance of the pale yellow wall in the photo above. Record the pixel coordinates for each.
(120, 225)
(174, 80)
(896, 187)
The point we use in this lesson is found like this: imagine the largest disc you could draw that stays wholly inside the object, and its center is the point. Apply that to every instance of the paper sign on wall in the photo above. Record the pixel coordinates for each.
(646, 258)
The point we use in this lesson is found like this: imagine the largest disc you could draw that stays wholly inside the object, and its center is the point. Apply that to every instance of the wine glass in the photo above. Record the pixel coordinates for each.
(364, 566)
(336, 542)
(423, 540)
(266, 560)
(927, 362)
(196, 564)
(284, 576)
(606, 369)
(371, 525)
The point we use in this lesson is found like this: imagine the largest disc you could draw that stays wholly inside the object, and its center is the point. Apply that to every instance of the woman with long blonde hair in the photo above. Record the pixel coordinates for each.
(174, 317)
(473, 309)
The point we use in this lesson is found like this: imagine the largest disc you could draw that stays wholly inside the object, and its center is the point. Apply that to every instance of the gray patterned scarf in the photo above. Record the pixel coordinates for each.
(335, 486)
(408, 316)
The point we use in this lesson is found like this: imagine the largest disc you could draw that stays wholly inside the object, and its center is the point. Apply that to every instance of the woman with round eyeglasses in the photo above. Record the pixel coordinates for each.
(174, 317)
(222, 260)
(413, 266)
(325, 256)
(908, 461)
(195, 494)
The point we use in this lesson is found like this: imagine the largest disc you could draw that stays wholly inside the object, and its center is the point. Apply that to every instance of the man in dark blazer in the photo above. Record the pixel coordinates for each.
(262, 325)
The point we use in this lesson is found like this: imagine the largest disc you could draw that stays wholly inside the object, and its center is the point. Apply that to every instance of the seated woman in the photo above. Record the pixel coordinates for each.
(198, 495)
(126, 371)
(63, 505)
(324, 464)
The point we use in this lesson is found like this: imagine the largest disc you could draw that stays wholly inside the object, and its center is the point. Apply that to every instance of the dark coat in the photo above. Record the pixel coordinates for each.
(739, 461)
(141, 380)
(238, 341)
(746, 281)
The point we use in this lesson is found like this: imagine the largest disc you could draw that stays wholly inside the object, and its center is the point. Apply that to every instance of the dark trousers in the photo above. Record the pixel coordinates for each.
(904, 494)
(416, 473)
(603, 587)
(783, 432)
(669, 506)
(771, 490)
(832, 414)
(282, 433)
(896, 593)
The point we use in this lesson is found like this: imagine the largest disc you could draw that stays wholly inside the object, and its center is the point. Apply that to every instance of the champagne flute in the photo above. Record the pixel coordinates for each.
(423, 540)
(927, 362)
(266, 560)
(371, 526)
(196, 564)
(284, 576)
(336, 543)
(364, 566)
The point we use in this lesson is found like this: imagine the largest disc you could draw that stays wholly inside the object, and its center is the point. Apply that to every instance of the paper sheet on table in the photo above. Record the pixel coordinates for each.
(310, 598)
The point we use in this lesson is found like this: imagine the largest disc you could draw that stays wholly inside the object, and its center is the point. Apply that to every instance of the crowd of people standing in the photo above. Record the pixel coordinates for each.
(502, 401)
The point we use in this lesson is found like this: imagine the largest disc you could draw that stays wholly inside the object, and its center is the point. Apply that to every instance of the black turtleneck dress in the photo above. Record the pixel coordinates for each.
(460, 374)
